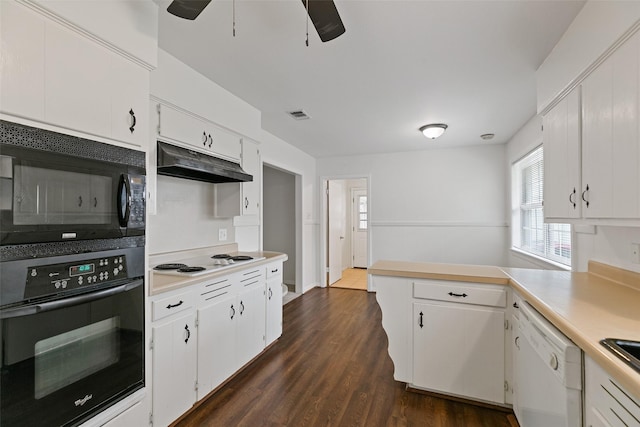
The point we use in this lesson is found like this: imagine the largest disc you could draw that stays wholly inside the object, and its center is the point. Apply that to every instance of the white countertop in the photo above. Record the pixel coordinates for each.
(586, 307)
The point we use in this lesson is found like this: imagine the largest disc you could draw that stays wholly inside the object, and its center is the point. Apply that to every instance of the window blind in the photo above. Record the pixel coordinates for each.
(550, 241)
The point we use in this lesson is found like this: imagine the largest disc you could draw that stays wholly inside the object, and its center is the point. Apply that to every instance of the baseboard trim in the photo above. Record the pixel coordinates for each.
(488, 405)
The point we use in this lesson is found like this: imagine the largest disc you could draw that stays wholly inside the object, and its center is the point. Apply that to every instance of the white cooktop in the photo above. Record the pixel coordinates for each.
(210, 265)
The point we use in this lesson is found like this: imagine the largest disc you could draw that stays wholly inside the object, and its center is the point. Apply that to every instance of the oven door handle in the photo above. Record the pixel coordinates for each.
(68, 302)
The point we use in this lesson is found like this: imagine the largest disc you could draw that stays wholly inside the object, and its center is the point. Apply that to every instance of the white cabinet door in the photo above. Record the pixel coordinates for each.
(242, 199)
(216, 344)
(251, 190)
(174, 368)
(562, 159)
(187, 129)
(22, 46)
(274, 303)
(224, 144)
(251, 322)
(459, 349)
(180, 127)
(129, 102)
(611, 149)
(77, 82)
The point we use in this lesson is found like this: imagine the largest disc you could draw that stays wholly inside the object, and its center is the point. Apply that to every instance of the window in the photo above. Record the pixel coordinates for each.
(530, 233)
(362, 213)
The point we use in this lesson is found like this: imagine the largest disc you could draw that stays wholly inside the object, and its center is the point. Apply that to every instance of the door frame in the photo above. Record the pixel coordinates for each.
(324, 219)
(354, 219)
(299, 223)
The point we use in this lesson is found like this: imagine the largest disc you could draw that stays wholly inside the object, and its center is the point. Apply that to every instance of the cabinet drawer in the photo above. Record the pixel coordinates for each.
(466, 293)
(216, 288)
(274, 270)
(167, 306)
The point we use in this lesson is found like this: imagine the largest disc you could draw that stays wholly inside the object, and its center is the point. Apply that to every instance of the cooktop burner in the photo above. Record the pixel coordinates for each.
(173, 266)
(186, 269)
(241, 258)
(221, 256)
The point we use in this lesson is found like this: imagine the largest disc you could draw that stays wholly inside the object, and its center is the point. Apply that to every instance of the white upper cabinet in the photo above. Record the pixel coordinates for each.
(54, 73)
(21, 61)
(610, 145)
(592, 144)
(562, 159)
(181, 127)
(242, 199)
(129, 101)
(129, 26)
(77, 91)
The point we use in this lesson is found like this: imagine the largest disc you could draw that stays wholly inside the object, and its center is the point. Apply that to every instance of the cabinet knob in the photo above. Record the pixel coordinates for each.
(133, 119)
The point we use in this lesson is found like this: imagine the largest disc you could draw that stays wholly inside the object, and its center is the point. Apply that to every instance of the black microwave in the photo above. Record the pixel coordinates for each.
(56, 187)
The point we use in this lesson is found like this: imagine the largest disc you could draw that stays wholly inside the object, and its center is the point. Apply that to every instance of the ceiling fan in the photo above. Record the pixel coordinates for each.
(323, 14)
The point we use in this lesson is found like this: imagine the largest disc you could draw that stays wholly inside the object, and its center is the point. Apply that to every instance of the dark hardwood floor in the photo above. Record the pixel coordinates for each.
(331, 368)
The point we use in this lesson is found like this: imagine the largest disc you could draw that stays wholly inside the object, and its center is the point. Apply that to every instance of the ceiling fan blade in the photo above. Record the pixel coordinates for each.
(187, 9)
(325, 18)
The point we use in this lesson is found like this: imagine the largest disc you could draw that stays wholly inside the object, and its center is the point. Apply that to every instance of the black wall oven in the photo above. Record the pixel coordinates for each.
(75, 344)
(72, 268)
(56, 187)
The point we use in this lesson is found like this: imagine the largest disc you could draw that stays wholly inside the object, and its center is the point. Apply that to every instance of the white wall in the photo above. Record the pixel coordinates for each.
(184, 218)
(439, 205)
(279, 217)
(598, 25)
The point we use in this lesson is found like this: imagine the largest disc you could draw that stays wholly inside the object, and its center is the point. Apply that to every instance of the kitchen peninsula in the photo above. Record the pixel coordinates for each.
(586, 307)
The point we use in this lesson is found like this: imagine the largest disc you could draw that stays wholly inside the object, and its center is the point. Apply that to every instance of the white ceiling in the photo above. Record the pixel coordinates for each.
(400, 65)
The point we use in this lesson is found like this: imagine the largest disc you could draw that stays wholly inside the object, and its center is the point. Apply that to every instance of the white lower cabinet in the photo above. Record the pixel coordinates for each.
(459, 347)
(216, 343)
(174, 367)
(204, 334)
(606, 403)
(274, 302)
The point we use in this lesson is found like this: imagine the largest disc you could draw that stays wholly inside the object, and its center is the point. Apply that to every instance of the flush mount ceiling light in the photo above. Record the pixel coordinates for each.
(433, 130)
(487, 136)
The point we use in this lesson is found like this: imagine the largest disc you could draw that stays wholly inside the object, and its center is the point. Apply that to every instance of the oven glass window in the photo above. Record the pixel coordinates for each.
(50, 196)
(66, 358)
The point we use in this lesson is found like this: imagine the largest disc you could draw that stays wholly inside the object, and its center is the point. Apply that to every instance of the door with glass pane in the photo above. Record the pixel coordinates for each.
(360, 227)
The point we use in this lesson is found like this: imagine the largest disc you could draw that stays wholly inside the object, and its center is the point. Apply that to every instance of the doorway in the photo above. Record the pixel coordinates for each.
(281, 220)
(345, 227)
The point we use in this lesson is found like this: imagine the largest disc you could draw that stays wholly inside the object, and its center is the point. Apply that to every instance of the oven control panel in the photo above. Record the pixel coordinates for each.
(53, 278)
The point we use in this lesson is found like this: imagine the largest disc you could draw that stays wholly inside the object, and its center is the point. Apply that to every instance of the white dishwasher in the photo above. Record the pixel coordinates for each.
(548, 374)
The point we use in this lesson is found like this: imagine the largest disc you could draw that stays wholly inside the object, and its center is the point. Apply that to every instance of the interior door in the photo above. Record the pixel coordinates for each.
(360, 227)
(337, 216)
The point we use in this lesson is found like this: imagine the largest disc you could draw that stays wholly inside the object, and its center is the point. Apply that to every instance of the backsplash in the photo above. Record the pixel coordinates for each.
(185, 217)
(609, 245)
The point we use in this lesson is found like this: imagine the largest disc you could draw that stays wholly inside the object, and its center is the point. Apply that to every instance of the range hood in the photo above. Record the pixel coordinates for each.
(183, 163)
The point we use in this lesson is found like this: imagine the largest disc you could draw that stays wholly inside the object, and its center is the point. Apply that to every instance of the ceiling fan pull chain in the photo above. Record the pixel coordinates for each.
(234, 18)
(307, 41)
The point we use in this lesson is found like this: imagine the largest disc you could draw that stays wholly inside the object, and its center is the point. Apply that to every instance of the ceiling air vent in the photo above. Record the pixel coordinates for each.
(298, 114)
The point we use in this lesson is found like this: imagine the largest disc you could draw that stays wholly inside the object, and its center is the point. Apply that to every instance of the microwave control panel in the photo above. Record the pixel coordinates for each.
(54, 278)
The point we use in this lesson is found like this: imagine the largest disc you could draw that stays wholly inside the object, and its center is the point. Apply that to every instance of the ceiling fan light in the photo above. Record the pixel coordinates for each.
(432, 131)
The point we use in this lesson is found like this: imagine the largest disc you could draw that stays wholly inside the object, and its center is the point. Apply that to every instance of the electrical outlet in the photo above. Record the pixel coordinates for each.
(635, 253)
(222, 234)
